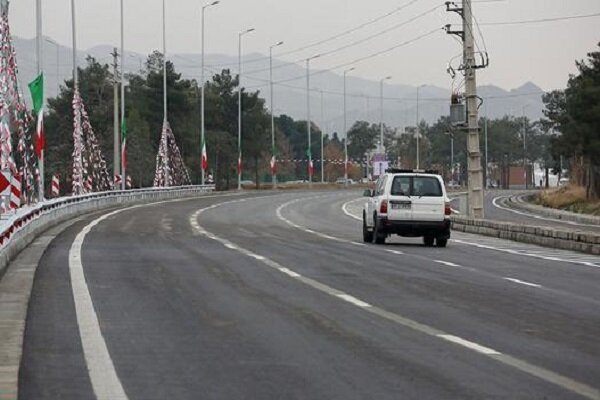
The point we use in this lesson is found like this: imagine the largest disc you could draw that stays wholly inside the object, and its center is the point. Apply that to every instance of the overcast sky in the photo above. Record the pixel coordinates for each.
(543, 52)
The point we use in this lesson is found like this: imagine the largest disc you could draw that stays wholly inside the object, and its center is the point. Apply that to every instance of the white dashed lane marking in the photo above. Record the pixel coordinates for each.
(542, 373)
(520, 282)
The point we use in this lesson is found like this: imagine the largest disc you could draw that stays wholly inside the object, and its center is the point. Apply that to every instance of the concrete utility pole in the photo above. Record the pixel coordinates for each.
(382, 151)
(240, 35)
(475, 175)
(322, 136)
(116, 144)
(273, 155)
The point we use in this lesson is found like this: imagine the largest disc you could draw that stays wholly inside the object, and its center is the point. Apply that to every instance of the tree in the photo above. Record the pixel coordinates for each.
(575, 113)
(362, 139)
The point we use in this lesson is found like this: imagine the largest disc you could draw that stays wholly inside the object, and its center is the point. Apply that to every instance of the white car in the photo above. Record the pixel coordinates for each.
(411, 203)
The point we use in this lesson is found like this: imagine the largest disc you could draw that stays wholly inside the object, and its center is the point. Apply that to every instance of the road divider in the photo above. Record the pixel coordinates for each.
(585, 242)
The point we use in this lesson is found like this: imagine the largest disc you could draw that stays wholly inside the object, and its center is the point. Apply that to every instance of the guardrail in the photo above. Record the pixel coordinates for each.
(20, 229)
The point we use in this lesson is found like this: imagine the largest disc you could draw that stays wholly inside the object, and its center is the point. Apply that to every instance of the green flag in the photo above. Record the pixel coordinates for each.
(36, 87)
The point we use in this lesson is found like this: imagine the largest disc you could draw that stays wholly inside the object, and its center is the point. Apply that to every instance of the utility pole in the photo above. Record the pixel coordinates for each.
(123, 143)
(116, 145)
(469, 67)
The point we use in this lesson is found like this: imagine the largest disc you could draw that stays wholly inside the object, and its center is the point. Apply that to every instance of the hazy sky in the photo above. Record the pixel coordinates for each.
(543, 52)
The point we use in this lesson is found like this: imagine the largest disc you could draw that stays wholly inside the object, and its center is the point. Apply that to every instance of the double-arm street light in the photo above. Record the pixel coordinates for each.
(273, 155)
(240, 35)
(381, 112)
(346, 130)
(204, 7)
(309, 151)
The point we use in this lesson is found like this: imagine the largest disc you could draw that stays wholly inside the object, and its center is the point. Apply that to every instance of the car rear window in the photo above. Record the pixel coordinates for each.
(422, 186)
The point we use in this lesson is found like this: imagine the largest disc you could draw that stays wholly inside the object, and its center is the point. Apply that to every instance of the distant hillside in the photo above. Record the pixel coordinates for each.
(363, 95)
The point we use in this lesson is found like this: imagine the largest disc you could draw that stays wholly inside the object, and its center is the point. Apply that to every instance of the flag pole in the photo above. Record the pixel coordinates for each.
(40, 68)
(123, 121)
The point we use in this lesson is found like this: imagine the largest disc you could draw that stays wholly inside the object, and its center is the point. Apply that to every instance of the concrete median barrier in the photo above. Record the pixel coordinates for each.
(585, 242)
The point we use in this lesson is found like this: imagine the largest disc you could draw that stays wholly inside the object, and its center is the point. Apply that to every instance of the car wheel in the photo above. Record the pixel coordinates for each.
(378, 236)
(367, 235)
(428, 241)
(441, 242)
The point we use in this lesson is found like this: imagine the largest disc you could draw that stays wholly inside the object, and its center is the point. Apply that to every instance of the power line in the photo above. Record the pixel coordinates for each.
(355, 43)
(331, 38)
(361, 59)
(541, 20)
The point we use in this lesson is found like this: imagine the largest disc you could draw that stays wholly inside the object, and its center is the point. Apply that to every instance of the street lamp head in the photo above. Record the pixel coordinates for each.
(387, 78)
(349, 70)
(214, 3)
(279, 43)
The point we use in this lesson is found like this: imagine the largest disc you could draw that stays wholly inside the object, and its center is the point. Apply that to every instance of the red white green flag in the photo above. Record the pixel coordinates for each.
(239, 166)
(311, 167)
(273, 162)
(124, 144)
(36, 87)
(204, 156)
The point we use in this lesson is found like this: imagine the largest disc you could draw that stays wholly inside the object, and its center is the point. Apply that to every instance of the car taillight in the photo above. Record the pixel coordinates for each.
(384, 207)
(447, 209)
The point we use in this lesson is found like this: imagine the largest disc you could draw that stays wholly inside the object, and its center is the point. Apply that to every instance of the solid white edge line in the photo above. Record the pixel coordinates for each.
(103, 376)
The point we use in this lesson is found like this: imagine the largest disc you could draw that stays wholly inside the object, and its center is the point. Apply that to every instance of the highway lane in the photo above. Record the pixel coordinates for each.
(185, 316)
(495, 210)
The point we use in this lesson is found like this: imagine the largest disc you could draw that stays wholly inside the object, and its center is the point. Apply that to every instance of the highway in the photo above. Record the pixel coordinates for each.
(274, 296)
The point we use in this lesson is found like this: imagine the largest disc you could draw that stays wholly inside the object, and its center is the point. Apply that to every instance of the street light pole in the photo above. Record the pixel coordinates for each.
(273, 155)
(40, 69)
(322, 136)
(382, 149)
(310, 163)
(123, 126)
(524, 128)
(57, 63)
(240, 35)
(418, 129)
(214, 3)
(346, 131)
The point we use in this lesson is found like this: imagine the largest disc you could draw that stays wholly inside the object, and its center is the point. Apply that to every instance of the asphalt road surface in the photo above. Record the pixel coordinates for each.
(274, 296)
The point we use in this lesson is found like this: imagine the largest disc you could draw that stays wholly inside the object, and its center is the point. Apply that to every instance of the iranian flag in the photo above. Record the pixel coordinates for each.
(311, 167)
(204, 156)
(124, 145)
(273, 162)
(36, 87)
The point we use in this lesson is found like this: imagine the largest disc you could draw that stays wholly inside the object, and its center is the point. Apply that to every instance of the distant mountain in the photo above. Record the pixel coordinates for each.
(400, 105)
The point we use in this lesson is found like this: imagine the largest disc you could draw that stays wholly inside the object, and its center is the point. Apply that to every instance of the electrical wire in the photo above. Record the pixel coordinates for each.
(541, 20)
(334, 37)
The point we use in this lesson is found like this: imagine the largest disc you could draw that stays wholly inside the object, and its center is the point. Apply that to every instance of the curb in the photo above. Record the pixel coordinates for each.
(521, 202)
(584, 242)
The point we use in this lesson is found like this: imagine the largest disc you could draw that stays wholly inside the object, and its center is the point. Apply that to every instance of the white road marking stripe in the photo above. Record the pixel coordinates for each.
(105, 382)
(231, 246)
(520, 282)
(396, 252)
(290, 273)
(564, 257)
(470, 345)
(449, 264)
(348, 213)
(542, 373)
(354, 300)
(103, 376)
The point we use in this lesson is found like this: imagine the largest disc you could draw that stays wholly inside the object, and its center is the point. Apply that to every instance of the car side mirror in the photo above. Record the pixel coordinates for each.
(367, 193)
